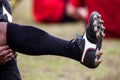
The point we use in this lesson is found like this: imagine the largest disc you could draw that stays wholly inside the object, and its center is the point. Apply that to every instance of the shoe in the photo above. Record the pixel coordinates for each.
(5, 11)
(91, 41)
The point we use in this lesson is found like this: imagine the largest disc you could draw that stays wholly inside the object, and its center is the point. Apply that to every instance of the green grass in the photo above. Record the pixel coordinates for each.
(59, 68)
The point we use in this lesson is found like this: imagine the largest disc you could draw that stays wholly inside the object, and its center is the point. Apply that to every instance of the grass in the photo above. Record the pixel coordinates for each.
(60, 68)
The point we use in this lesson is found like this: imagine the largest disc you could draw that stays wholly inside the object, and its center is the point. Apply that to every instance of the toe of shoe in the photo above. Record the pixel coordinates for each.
(89, 60)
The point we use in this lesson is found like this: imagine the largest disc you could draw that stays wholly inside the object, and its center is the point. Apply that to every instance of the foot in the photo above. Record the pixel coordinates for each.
(5, 11)
(91, 41)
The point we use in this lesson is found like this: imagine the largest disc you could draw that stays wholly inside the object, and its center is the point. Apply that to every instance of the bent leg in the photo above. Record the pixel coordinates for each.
(33, 41)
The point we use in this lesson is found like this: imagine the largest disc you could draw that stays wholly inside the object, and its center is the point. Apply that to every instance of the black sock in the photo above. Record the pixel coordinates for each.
(33, 41)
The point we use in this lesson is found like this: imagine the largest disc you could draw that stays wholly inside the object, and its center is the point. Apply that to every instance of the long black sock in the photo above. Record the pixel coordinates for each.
(33, 41)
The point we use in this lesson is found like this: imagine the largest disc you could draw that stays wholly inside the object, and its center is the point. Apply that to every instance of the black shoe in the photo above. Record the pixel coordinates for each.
(91, 41)
(5, 11)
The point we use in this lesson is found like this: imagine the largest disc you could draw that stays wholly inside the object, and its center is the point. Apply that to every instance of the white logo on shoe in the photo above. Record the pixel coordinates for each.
(88, 45)
(9, 16)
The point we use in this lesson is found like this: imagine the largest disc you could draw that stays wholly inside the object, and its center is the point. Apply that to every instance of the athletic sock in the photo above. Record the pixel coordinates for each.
(33, 41)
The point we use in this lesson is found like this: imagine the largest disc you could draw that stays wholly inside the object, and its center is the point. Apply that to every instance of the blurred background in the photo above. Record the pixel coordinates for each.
(60, 68)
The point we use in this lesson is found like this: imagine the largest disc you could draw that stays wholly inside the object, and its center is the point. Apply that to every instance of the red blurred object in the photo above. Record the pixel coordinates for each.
(48, 10)
(110, 11)
(52, 11)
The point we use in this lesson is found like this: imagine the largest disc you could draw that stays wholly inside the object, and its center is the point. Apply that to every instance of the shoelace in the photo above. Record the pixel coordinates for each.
(75, 42)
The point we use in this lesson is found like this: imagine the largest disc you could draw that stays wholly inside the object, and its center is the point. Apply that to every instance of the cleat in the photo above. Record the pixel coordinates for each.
(100, 60)
(97, 61)
(95, 29)
(101, 21)
(95, 17)
(103, 28)
(98, 35)
(91, 41)
(103, 34)
(101, 52)
(97, 53)
(95, 23)
(99, 16)
(98, 56)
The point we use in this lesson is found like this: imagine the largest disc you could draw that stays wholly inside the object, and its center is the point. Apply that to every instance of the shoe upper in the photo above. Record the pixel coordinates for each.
(87, 50)
(5, 11)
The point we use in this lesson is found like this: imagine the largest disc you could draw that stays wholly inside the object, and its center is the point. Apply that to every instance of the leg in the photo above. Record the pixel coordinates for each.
(37, 42)
(32, 41)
